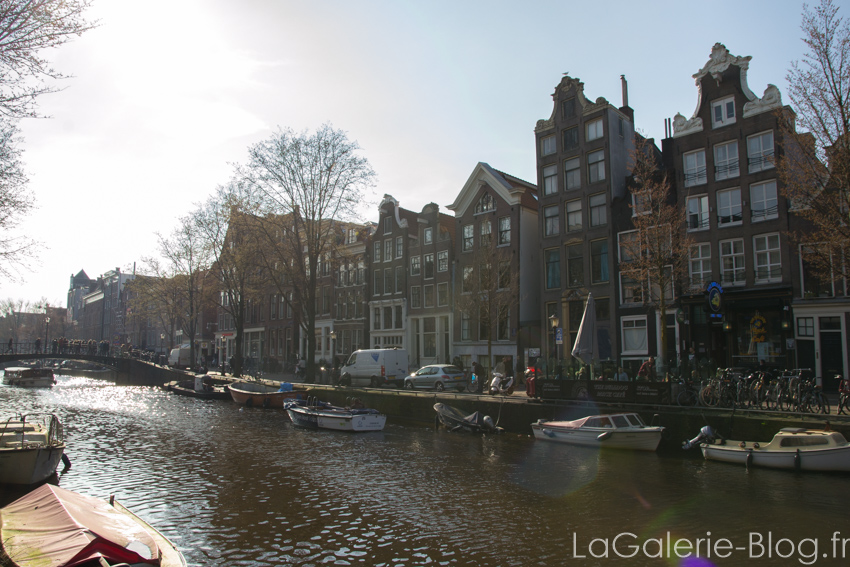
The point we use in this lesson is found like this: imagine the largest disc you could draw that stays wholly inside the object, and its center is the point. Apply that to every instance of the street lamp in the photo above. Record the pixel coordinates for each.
(553, 320)
(46, 332)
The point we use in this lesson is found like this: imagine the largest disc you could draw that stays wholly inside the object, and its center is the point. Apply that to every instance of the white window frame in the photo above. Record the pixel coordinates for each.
(694, 168)
(759, 152)
(699, 214)
(699, 265)
(388, 250)
(621, 251)
(738, 272)
(634, 323)
(767, 257)
(572, 174)
(548, 146)
(764, 206)
(594, 130)
(726, 162)
(443, 261)
(550, 180)
(415, 265)
(504, 237)
(468, 237)
(728, 211)
(724, 106)
(428, 235)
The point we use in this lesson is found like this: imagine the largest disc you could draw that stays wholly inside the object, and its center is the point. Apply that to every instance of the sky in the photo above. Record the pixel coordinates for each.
(165, 98)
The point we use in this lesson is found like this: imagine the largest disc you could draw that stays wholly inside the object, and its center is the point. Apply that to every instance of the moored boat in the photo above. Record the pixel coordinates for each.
(793, 448)
(314, 414)
(455, 420)
(29, 377)
(60, 528)
(199, 387)
(611, 431)
(31, 447)
(258, 394)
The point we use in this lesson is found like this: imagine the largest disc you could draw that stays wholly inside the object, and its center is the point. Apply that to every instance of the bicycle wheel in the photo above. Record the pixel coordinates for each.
(687, 397)
(823, 403)
(708, 396)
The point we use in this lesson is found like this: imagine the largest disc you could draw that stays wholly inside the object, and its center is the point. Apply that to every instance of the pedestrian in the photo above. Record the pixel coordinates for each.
(479, 375)
(622, 376)
(647, 370)
(10, 349)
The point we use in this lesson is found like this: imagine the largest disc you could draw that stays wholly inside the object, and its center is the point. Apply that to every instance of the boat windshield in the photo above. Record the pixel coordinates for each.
(620, 421)
(806, 441)
(598, 422)
(635, 420)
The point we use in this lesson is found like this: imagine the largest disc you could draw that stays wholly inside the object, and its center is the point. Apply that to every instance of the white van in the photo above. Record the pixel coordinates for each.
(375, 367)
(180, 357)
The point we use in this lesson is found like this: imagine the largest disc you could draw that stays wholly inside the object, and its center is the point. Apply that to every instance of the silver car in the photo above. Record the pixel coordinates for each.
(437, 376)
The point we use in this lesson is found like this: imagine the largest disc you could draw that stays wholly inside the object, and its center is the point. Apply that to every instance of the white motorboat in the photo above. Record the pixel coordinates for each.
(314, 414)
(30, 448)
(612, 431)
(793, 448)
(29, 377)
(54, 526)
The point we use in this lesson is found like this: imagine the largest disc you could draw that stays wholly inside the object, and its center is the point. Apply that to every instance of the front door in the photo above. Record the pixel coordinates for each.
(831, 351)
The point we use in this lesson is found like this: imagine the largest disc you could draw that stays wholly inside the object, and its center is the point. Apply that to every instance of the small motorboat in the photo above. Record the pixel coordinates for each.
(793, 448)
(199, 387)
(29, 377)
(455, 420)
(31, 447)
(56, 527)
(611, 431)
(258, 394)
(314, 414)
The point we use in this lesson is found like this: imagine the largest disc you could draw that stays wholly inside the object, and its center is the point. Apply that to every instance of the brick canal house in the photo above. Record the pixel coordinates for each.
(496, 276)
(735, 309)
(583, 153)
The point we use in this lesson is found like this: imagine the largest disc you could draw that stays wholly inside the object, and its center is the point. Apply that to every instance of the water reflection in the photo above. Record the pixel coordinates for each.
(236, 486)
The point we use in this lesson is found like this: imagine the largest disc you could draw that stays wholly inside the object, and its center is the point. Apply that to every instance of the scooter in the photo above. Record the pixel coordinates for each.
(501, 385)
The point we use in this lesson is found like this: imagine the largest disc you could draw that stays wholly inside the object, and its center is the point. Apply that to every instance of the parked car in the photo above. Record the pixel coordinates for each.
(437, 376)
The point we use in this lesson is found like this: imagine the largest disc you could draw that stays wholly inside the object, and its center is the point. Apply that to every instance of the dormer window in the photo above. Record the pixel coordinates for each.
(428, 235)
(388, 225)
(723, 112)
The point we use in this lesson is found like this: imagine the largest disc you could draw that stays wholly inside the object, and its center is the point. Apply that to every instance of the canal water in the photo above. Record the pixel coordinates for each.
(234, 486)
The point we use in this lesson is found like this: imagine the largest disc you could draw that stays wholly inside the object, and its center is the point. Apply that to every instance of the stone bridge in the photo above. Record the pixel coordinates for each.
(127, 370)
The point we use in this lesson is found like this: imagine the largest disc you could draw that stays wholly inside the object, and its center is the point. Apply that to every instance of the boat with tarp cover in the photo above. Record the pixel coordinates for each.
(55, 527)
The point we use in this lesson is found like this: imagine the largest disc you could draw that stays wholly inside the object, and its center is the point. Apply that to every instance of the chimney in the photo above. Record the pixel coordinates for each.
(625, 109)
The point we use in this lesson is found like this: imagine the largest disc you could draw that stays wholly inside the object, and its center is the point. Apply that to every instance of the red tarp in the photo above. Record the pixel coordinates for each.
(54, 527)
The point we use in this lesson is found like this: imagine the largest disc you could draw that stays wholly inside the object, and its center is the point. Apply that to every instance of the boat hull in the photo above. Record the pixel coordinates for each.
(29, 466)
(184, 389)
(29, 377)
(260, 395)
(336, 420)
(833, 459)
(640, 440)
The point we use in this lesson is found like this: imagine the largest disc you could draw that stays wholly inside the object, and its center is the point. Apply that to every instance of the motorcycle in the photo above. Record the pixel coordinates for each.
(501, 385)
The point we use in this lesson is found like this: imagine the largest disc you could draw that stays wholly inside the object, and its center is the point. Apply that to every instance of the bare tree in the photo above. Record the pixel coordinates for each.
(814, 165)
(15, 202)
(155, 296)
(304, 184)
(655, 255)
(487, 293)
(28, 28)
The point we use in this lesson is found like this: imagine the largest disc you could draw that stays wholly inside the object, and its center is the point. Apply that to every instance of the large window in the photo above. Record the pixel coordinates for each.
(726, 161)
(631, 290)
(573, 215)
(550, 180)
(428, 261)
(596, 166)
(468, 236)
(443, 261)
(695, 168)
(552, 259)
(763, 201)
(723, 112)
(376, 282)
(388, 250)
(415, 265)
(598, 211)
(504, 230)
(550, 220)
(572, 173)
(442, 294)
(399, 246)
(376, 252)
(760, 151)
(732, 262)
(486, 228)
(628, 245)
(388, 280)
(700, 265)
(415, 297)
(729, 207)
(468, 283)
(634, 335)
(571, 138)
(594, 130)
(568, 107)
(768, 262)
(428, 296)
(465, 327)
(399, 279)
(547, 145)
(698, 213)
(599, 261)
(575, 265)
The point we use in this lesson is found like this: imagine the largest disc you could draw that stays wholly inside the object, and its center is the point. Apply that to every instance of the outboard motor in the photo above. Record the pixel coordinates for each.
(706, 435)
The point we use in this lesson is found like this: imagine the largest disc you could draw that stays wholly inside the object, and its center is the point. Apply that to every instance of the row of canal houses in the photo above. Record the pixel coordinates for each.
(559, 239)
